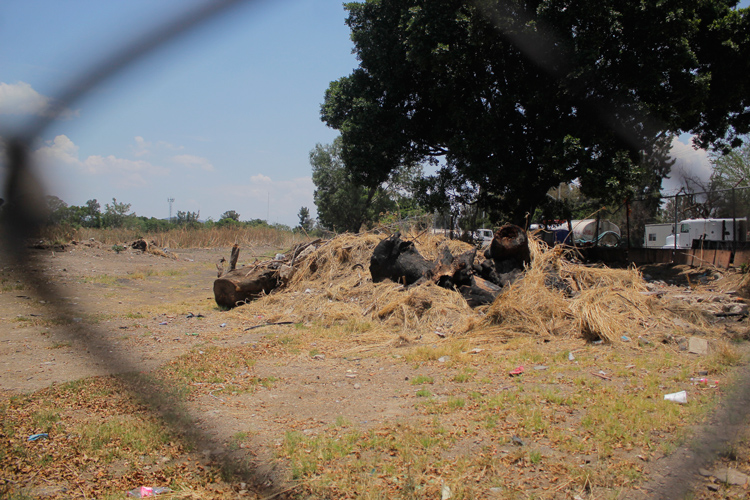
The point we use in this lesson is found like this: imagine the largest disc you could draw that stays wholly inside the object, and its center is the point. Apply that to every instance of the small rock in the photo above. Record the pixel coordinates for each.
(730, 476)
(540, 367)
(357, 386)
(319, 356)
(443, 359)
(713, 487)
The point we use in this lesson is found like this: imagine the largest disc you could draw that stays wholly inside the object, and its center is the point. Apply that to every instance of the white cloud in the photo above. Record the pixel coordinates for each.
(193, 162)
(141, 146)
(260, 178)
(21, 99)
(126, 173)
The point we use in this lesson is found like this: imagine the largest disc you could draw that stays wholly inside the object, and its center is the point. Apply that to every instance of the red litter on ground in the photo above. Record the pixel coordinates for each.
(516, 372)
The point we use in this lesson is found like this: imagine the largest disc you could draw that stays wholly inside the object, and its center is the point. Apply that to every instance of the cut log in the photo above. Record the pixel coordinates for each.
(247, 283)
(398, 261)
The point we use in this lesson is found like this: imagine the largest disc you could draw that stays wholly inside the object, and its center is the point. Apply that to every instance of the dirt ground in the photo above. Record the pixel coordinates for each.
(142, 311)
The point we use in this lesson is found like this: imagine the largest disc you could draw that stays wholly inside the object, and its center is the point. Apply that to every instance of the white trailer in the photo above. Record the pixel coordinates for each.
(656, 235)
(708, 230)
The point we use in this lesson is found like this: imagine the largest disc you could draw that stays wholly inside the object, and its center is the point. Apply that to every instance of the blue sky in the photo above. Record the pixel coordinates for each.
(221, 119)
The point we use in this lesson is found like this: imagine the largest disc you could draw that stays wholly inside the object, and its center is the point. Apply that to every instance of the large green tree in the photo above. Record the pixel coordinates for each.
(514, 97)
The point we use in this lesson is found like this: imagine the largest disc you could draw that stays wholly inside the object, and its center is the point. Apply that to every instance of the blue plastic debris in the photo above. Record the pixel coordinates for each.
(42, 435)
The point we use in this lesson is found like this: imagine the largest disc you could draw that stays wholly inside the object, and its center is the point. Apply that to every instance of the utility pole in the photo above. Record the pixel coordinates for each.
(170, 200)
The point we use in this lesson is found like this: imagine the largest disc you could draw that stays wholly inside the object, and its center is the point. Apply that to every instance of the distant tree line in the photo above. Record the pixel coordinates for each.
(118, 215)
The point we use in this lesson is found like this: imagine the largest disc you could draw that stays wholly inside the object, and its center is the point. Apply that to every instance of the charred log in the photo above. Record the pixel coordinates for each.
(479, 292)
(399, 261)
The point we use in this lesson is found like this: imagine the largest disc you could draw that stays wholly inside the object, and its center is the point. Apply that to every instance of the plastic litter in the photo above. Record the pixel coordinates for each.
(571, 357)
(222, 325)
(677, 397)
(148, 491)
(516, 372)
(35, 437)
(163, 323)
(625, 338)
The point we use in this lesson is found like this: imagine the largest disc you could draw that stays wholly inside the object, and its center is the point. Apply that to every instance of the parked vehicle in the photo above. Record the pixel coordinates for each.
(483, 236)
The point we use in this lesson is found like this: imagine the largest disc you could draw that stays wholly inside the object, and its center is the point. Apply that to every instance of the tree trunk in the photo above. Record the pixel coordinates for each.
(242, 285)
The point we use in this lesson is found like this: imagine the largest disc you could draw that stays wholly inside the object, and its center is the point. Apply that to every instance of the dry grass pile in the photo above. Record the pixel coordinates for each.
(559, 297)
(332, 285)
(555, 297)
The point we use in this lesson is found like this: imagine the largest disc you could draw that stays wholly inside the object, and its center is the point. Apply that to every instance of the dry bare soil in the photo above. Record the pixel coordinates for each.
(262, 403)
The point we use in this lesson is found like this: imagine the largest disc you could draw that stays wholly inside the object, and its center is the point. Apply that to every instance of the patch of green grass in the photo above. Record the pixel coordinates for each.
(423, 393)
(421, 379)
(120, 436)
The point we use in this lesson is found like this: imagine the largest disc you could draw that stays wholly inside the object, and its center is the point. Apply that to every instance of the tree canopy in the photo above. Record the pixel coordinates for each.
(514, 97)
(344, 203)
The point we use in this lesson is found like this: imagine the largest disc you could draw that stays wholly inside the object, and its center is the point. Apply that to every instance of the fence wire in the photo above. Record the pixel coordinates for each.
(23, 216)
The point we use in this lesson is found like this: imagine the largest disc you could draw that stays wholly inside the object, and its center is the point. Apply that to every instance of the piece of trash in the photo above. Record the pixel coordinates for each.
(192, 334)
(307, 290)
(35, 437)
(163, 323)
(222, 325)
(698, 346)
(148, 491)
(677, 397)
(625, 338)
(443, 359)
(516, 372)
(319, 356)
(280, 256)
(476, 350)
(540, 367)
(597, 342)
(517, 440)
(571, 357)
(440, 334)
(445, 493)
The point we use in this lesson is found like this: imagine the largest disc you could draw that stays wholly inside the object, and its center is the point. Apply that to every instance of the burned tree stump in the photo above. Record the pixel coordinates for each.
(510, 243)
(399, 261)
